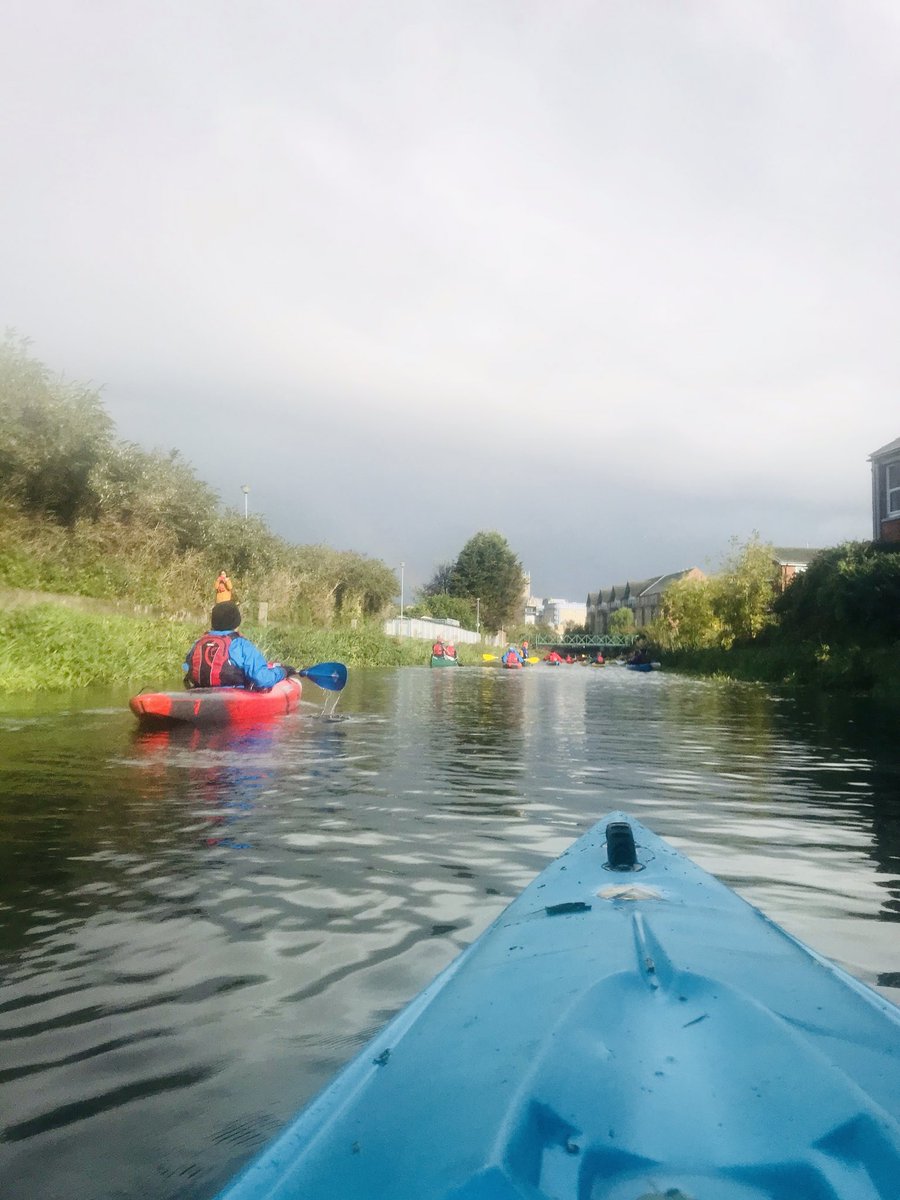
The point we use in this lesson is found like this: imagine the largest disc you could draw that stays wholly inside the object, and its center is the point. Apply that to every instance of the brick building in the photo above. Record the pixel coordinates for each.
(886, 492)
(791, 561)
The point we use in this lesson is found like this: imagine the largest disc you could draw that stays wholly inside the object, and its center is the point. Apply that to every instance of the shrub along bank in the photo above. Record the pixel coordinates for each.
(850, 668)
(836, 627)
(49, 647)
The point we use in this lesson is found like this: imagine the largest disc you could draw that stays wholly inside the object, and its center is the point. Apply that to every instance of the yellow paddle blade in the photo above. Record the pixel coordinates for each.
(532, 660)
(489, 657)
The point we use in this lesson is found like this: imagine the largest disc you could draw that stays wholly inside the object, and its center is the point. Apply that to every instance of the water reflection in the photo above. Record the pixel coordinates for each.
(224, 769)
(198, 928)
(482, 730)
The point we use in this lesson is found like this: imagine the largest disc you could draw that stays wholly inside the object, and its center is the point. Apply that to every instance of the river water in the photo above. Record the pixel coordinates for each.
(196, 930)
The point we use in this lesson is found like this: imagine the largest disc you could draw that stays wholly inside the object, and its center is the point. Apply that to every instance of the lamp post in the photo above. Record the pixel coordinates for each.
(402, 565)
(246, 490)
(478, 614)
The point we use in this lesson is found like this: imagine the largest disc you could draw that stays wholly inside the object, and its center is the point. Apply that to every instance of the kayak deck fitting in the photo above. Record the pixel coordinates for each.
(627, 1029)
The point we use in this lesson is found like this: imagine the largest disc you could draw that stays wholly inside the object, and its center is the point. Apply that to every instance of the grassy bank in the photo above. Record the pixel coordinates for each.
(49, 647)
(851, 668)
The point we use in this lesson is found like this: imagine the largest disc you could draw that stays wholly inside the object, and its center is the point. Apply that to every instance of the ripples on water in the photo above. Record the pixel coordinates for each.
(197, 929)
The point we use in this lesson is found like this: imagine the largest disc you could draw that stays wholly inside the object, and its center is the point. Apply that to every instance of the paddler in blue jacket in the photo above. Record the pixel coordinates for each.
(223, 658)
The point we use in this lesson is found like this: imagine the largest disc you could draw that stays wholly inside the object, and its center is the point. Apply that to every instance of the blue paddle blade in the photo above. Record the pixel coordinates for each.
(331, 675)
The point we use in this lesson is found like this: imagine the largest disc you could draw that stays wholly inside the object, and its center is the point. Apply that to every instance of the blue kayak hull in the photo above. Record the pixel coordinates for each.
(616, 1034)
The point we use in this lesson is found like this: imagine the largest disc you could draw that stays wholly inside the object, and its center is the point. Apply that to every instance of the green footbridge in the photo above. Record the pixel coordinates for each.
(585, 641)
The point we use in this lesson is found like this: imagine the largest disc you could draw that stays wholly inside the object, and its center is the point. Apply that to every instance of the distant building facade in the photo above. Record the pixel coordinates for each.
(642, 596)
(886, 492)
(560, 613)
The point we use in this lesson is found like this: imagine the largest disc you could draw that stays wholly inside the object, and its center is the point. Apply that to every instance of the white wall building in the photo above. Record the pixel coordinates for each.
(560, 613)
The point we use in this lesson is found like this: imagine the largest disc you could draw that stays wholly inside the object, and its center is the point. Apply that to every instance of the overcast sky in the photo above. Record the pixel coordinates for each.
(618, 279)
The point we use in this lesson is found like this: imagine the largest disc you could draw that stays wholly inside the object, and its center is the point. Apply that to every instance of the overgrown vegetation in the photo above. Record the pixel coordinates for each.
(836, 626)
(732, 606)
(83, 513)
(48, 647)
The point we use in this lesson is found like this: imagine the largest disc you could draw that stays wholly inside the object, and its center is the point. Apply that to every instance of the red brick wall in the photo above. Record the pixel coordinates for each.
(890, 530)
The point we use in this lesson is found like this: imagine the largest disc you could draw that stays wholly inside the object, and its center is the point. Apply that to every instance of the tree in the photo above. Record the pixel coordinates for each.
(621, 621)
(457, 608)
(687, 618)
(439, 584)
(366, 586)
(744, 591)
(153, 488)
(487, 569)
(52, 436)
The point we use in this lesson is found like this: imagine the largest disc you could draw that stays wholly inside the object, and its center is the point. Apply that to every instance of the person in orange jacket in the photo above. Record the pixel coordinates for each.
(224, 588)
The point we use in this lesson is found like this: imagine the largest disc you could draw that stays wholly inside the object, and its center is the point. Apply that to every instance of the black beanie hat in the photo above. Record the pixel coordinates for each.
(225, 615)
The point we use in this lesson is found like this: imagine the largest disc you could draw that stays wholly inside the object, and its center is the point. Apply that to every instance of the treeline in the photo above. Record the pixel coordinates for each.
(483, 586)
(83, 512)
(837, 624)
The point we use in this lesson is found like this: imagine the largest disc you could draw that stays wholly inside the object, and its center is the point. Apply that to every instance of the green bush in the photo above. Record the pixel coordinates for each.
(850, 594)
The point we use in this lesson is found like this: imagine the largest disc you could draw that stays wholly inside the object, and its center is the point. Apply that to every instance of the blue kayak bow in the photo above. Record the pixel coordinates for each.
(329, 675)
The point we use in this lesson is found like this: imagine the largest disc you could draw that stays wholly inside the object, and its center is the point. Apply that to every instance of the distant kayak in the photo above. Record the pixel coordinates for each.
(627, 1029)
(650, 666)
(215, 706)
(442, 660)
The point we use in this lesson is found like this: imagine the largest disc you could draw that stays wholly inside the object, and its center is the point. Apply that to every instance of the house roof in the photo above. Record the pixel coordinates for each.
(663, 581)
(794, 554)
(891, 448)
(637, 586)
(633, 588)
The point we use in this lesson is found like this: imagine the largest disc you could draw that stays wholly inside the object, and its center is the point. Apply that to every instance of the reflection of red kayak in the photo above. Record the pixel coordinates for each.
(215, 706)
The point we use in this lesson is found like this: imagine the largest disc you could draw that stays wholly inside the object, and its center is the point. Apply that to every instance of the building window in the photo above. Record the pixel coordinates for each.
(892, 476)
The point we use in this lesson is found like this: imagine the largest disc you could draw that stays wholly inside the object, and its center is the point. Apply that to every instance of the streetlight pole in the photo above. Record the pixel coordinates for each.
(402, 565)
(478, 614)
(246, 490)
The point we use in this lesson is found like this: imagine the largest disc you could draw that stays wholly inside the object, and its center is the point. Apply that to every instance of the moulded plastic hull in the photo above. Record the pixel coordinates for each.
(443, 661)
(614, 1035)
(215, 706)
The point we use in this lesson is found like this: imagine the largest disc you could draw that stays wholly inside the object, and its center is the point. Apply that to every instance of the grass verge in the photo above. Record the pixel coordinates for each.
(49, 647)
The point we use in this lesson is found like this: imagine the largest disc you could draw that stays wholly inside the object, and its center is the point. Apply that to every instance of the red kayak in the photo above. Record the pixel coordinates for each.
(513, 666)
(215, 706)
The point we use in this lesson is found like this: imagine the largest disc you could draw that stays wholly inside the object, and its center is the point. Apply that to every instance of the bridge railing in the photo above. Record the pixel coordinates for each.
(583, 640)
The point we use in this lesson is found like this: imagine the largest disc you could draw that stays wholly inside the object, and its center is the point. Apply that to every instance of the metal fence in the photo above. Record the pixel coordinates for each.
(428, 629)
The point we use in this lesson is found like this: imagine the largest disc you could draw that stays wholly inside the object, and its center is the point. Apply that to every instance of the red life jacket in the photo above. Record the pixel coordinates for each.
(437, 650)
(208, 664)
